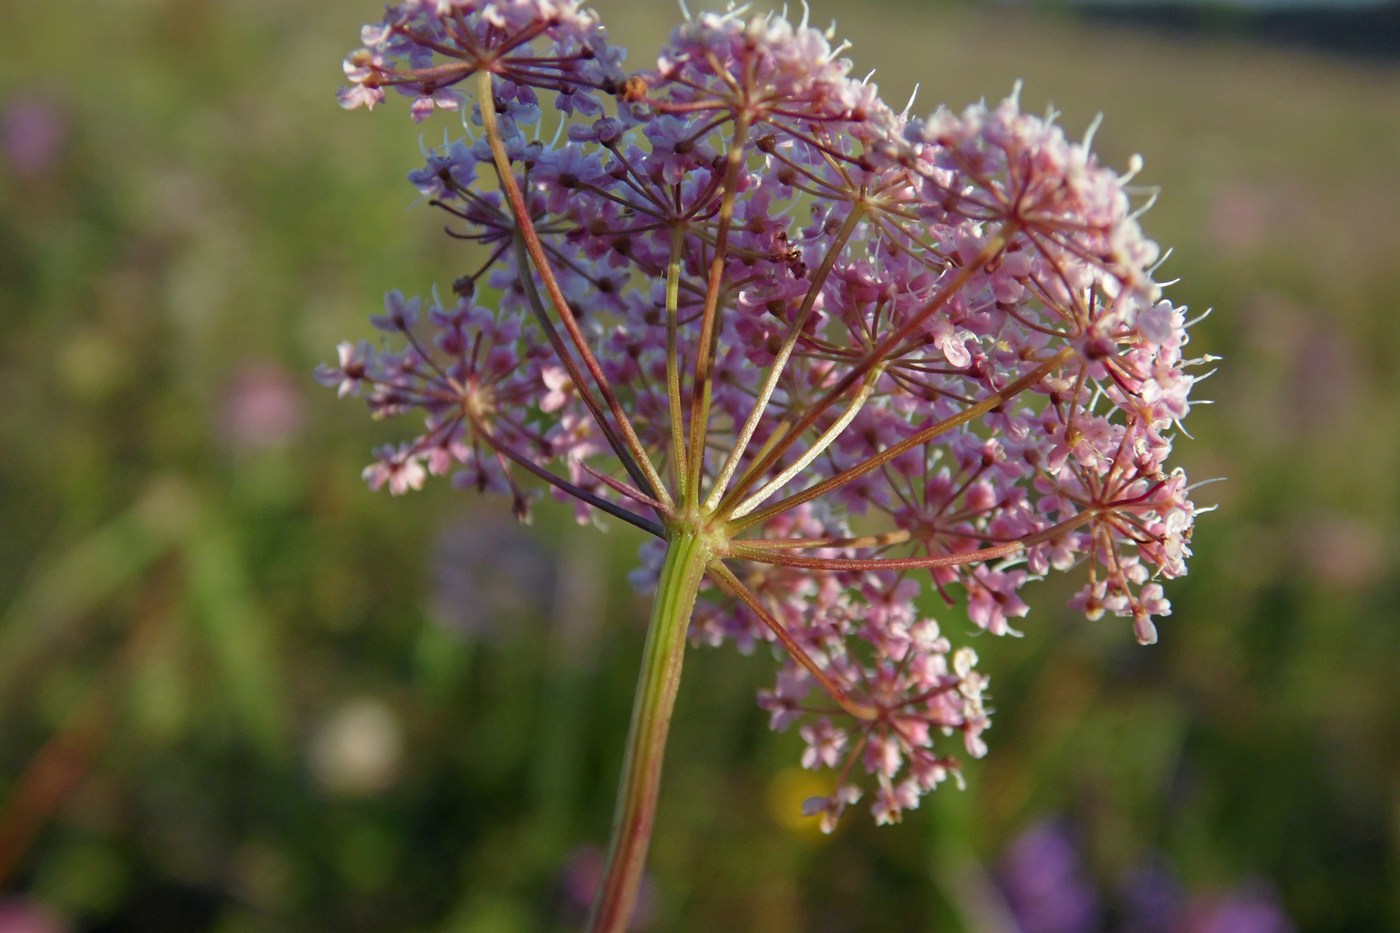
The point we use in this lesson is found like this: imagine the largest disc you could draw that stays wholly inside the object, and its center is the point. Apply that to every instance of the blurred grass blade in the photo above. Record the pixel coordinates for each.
(237, 631)
(85, 576)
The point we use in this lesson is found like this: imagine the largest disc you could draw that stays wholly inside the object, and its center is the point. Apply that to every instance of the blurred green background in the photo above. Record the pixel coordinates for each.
(239, 692)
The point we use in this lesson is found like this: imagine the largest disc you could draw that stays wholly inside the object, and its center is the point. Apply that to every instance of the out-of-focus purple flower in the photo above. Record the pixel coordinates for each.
(486, 573)
(1253, 907)
(21, 915)
(578, 883)
(1047, 889)
(263, 407)
(1042, 876)
(1153, 899)
(33, 132)
(1340, 550)
(1242, 216)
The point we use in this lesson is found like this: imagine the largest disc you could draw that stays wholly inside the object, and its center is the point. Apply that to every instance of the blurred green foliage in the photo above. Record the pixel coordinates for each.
(225, 702)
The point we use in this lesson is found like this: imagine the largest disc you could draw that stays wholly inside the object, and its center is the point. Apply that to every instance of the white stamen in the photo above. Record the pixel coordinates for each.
(1093, 129)
(904, 114)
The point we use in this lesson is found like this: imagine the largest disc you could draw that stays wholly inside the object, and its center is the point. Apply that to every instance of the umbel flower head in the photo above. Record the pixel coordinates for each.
(867, 363)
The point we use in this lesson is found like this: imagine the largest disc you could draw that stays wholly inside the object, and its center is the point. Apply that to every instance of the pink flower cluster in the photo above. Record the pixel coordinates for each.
(878, 356)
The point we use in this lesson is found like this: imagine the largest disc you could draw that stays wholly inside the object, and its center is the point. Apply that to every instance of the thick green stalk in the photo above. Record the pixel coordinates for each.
(687, 554)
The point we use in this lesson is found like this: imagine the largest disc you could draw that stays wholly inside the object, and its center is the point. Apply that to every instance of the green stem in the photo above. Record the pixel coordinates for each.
(687, 554)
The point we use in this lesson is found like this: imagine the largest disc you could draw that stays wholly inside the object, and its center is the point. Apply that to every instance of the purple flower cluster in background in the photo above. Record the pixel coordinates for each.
(1048, 890)
(872, 355)
(487, 576)
(34, 133)
(21, 915)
